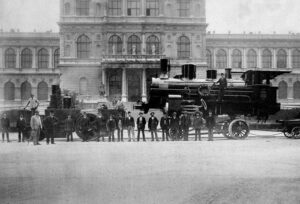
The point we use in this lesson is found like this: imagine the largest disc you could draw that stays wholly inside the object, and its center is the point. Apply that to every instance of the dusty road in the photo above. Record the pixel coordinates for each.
(256, 170)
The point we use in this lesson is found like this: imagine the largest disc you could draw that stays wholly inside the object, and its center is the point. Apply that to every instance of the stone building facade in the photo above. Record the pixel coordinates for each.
(115, 46)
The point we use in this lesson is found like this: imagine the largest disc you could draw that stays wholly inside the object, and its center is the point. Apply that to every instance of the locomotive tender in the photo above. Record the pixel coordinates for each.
(252, 95)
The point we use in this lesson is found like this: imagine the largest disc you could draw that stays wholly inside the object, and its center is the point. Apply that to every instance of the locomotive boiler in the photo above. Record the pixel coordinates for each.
(251, 95)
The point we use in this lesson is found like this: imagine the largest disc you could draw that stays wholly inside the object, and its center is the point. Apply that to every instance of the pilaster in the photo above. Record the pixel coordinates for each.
(214, 58)
(259, 58)
(144, 86)
(229, 58)
(124, 85)
(1, 58)
(50, 50)
(274, 63)
(104, 82)
(34, 59)
(143, 7)
(124, 44)
(289, 59)
(161, 8)
(18, 58)
(124, 8)
(244, 59)
(143, 44)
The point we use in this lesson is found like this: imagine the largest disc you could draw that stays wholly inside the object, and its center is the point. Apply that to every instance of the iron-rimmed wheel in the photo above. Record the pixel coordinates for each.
(287, 134)
(296, 132)
(91, 134)
(225, 131)
(239, 129)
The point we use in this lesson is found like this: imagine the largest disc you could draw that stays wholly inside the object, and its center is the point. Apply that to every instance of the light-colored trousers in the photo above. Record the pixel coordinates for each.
(36, 136)
(130, 131)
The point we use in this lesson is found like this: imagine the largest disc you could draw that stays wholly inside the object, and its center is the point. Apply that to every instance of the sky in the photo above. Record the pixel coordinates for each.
(223, 16)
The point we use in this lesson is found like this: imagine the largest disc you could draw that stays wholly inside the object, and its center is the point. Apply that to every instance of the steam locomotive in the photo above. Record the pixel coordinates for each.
(251, 95)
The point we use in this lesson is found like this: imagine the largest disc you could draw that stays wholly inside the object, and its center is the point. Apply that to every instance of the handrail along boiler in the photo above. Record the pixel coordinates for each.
(251, 95)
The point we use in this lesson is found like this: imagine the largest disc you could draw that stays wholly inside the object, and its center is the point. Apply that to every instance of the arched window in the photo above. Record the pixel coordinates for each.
(115, 45)
(67, 8)
(83, 86)
(98, 9)
(10, 58)
(26, 58)
(134, 45)
(9, 91)
(152, 7)
(236, 59)
(133, 7)
(267, 59)
(183, 8)
(221, 59)
(152, 45)
(25, 91)
(183, 49)
(82, 7)
(115, 7)
(42, 91)
(43, 59)
(83, 47)
(282, 90)
(251, 59)
(281, 59)
(296, 59)
(115, 83)
(209, 59)
(296, 90)
(56, 58)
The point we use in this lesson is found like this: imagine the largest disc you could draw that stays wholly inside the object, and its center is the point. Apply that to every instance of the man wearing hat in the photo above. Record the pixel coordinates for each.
(129, 124)
(84, 127)
(198, 123)
(141, 123)
(222, 86)
(5, 124)
(36, 126)
(100, 126)
(50, 124)
(152, 125)
(185, 125)
(165, 125)
(33, 104)
(174, 125)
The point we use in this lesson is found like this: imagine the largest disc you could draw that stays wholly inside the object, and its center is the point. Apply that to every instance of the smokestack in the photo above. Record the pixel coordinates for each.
(189, 71)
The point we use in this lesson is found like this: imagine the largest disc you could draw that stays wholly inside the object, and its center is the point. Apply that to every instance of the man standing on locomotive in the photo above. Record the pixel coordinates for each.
(50, 124)
(152, 125)
(198, 122)
(33, 104)
(141, 123)
(129, 123)
(165, 125)
(222, 86)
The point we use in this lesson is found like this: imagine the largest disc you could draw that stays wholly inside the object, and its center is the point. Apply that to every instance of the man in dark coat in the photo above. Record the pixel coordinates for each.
(185, 125)
(152, 125)
(21, 126)
(174, 126)
(111, 127)
(5, 124)
(84, 127)
(198, 123)
(129, 125)
(165, 125)
(120, 126)
(49, 125)
(141, 123)
(222, 86)
(69, 128)
(100, 126)
(210, 124)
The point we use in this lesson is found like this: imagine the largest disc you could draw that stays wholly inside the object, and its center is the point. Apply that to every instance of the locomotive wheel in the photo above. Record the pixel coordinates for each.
(239, 129)
(296, 132)
(288, 134)
(91, 133)
(225, 131)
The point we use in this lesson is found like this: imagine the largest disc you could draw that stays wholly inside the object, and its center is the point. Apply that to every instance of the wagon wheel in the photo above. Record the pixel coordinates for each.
(239, 129)
(287, 133)
(225, 131)
(173, 134)
(91, 132)
(296, 132)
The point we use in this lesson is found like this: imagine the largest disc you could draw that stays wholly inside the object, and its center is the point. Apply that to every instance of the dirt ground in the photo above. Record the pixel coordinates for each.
(261, 169)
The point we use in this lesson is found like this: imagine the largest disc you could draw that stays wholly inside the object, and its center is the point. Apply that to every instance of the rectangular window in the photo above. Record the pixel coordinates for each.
(114, 7)
(133, 8)
(82, 7)
(183, 8)
(152, 8)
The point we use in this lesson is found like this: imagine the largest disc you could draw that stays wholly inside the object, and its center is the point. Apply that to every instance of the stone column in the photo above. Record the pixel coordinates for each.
(124, 85)
(143, 7)
(229, 58)
(50, 50)
(274, 63)
(124, 10)
(18, 93)
(18, 58)
(124, 45)
(259, 58)
(1, 58)
(289, 59)
(104, 82)
(34, 59)
(214, 61)
(143, 44)
(244, 60)
(144, 86)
